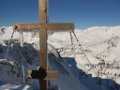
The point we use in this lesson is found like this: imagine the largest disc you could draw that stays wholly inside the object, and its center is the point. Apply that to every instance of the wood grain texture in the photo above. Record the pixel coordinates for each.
(48, 26)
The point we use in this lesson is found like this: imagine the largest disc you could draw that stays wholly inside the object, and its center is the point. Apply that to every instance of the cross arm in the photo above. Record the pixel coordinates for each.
(35, 74)
(49, 26)
(30, 26)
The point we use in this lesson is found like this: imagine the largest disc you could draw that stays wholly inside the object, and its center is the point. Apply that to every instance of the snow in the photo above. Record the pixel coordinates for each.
(94, 66)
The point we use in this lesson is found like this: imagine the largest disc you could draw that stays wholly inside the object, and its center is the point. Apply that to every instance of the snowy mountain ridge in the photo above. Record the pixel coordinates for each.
(98, 57)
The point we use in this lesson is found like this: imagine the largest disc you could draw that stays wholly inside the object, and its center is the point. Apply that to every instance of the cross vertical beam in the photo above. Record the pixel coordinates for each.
(43, 40)
(43, 10)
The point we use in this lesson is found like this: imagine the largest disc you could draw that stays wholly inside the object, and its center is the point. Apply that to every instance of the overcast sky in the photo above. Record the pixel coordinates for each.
(84, 13)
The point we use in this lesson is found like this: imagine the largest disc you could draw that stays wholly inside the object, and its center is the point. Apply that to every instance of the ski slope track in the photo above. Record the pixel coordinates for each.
(95, 66)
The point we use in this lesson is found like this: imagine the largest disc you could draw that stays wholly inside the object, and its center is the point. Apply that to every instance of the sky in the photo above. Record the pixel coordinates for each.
(83, 13)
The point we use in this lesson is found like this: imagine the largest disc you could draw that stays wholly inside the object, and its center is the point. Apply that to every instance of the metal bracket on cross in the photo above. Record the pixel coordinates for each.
(49, 75)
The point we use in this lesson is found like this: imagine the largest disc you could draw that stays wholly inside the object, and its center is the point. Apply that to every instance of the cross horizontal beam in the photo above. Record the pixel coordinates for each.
(51, 75)
(48, 26)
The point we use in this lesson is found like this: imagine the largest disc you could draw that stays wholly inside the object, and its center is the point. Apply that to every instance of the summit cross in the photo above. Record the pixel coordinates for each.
(43, 27)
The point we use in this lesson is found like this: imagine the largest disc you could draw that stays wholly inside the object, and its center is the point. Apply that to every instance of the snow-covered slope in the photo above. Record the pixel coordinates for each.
(100, 48)
(96, 53)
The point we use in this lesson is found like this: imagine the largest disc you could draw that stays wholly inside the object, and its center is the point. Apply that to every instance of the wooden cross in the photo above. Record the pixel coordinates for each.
(43, 27)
